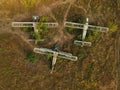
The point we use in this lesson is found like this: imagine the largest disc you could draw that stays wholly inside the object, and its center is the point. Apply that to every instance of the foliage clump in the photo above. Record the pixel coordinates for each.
(80, 56)
(112, 26)
(49, 56)
(91, 35)
(42, 29)
(31, 57)
(41, 26)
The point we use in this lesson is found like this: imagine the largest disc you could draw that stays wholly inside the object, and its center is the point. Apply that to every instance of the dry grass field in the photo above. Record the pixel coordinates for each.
(98, 70)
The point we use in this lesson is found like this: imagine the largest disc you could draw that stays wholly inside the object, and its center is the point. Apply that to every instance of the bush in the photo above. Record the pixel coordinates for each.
(27, 29)
(112, 26)
(41, 26)
(31, 57)
(69, 30)
(80, 56)
(79, 37)
(49, 56)
(90, 38)
(92, 35)
(42, 29)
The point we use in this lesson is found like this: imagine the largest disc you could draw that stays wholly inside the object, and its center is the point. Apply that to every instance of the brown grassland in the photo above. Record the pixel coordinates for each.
(98, 70)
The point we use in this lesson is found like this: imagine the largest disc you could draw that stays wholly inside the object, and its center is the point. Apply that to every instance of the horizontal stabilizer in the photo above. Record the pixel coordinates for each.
(51, 25)
(82, 43)
(74, 25)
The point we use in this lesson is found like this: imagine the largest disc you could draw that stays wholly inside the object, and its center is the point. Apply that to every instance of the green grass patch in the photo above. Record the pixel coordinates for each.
(112, 26)
(80, 56)
(31, 57)
(91, 35)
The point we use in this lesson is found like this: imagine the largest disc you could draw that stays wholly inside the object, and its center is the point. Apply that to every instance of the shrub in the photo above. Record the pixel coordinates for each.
(91, 35)
(41, 26)
(37, 36)
(95, 33)
(31, 57)
(112, 26)
(27, 29)
(69, 30)
(49, 56)
(42, 29)
(80, 56)
(79, 37)
(90, 38)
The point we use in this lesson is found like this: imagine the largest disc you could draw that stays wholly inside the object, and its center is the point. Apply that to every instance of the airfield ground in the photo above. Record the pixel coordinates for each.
(98, 70)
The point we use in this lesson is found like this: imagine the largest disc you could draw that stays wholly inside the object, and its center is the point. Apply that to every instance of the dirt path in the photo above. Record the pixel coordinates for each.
(60, 2)
(63, 37)
(81, 7)
(46, 9)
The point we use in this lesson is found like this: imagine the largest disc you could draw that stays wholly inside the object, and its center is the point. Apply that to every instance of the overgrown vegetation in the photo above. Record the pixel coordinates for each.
(70, 30)
(112, 26)
(49, 56)
(31, 57)
(79, 37)
(91, 35)
(42, 29)
(70, 75)
(80, 56)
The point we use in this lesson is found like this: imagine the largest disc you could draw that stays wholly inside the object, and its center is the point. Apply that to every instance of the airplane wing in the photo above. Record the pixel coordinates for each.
(81, 26)
(22, 24)
(60, 54)
(74, 25)
(32, 24)
(43, 51)
(51, 25)
(82, 43)
(98, 28)
(67, 56)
